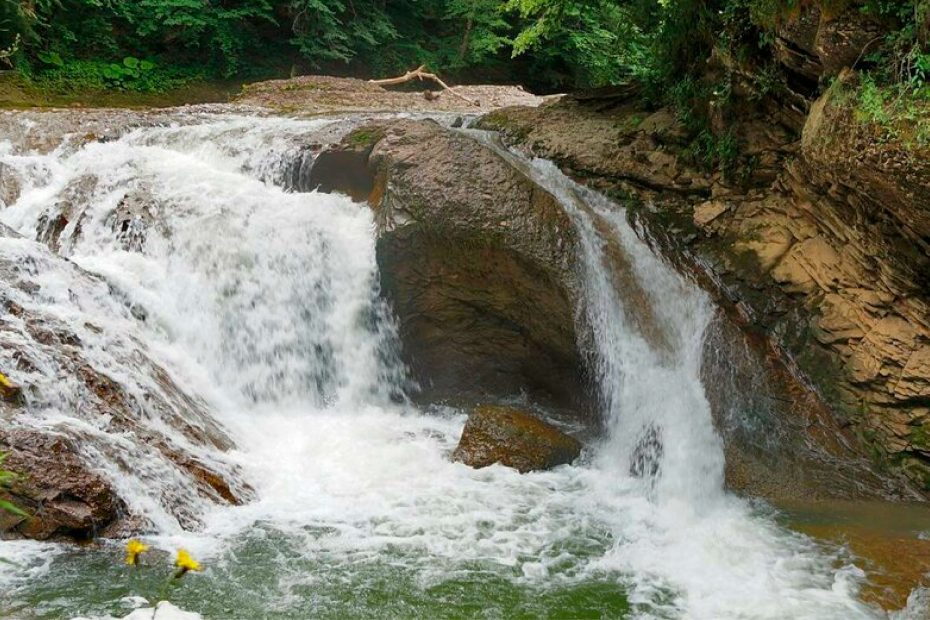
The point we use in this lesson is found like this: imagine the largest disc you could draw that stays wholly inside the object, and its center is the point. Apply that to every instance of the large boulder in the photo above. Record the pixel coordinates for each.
(513, 438)
(477, 260)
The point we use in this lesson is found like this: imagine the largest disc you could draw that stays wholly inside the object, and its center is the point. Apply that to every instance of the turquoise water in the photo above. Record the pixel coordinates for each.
(263, 577)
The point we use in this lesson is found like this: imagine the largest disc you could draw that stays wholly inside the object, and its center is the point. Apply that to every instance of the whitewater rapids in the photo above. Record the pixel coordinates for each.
(265, 304)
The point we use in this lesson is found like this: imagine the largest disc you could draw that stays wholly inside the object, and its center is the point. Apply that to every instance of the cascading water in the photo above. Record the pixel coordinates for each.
(264, 305)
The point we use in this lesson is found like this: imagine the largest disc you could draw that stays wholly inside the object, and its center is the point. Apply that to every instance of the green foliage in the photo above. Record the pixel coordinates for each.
(132, 74)
(598, 42)
(14, 23)
(896, 111)
(51, 58)
(894, 86)
(7, 478)
(558, 42)
(546, 43)
(719, 152)
(872, 101)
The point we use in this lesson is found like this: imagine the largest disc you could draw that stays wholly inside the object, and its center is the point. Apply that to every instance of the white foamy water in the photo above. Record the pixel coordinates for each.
(264, 305)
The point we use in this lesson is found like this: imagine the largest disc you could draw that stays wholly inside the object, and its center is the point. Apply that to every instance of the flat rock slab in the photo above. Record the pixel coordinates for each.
(513, 438)
(321, 94)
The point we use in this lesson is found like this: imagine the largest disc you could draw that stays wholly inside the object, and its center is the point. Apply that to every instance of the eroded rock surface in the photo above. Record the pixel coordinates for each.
(322, 94)
(819, 42)
(513, 438)
(477, 260)
(94, 407)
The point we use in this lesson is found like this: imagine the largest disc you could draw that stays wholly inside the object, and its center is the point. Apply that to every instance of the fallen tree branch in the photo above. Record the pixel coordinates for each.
(420, 73)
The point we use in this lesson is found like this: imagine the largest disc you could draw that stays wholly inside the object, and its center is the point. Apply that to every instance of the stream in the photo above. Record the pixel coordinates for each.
(264, 305)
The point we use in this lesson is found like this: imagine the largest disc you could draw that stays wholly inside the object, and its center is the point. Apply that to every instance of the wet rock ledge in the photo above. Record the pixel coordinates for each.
(64, 418)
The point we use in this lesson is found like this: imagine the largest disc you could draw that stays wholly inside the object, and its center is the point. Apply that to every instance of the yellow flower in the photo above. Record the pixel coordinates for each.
(185, 562)
(135, 548)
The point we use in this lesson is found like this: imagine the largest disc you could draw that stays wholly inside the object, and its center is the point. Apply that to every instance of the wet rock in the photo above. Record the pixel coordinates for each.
(10, 186)
(646, 460)
(60, 225)
(112, 407)
(137, 212)
(513, 438)
(826, 266)
(476, 259)
(62, 495)
(627, 144)
(9, 391)
(43, 131)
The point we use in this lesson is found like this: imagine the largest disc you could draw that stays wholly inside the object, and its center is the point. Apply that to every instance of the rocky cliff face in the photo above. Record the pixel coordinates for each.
(820, 249)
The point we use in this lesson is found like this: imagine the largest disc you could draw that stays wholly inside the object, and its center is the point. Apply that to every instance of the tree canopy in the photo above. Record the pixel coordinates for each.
(548, 44)
(559, 42)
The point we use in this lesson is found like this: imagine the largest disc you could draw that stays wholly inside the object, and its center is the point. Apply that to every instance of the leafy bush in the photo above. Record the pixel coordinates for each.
(131, 74)
(559, 42)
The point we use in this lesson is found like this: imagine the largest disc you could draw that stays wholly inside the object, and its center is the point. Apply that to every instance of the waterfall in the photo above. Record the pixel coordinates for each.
(659, 420)
(263, 305)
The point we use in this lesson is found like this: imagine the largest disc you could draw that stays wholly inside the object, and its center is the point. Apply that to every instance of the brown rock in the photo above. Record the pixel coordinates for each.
(830, 262)
(815, 43)
(841, 39)
(477, 260)
(61, 493)
(707, 212)
(513, 438)
(9, 391)
(142, 405)
(794, 44)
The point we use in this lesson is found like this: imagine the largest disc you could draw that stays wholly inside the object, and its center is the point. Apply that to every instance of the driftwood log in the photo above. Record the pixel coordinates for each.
(420, 73)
